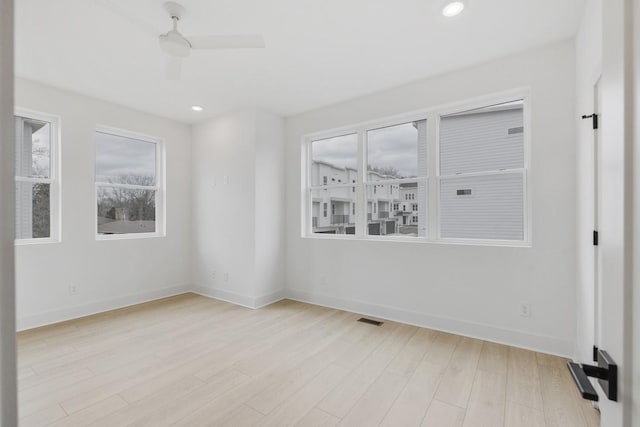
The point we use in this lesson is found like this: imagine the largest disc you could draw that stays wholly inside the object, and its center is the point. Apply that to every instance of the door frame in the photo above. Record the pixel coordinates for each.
(616, 201)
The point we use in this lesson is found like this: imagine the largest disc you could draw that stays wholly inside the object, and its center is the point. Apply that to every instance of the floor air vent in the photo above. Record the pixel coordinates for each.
(370, 321)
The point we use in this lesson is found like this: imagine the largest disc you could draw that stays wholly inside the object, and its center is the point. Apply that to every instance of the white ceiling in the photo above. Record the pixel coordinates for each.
(318, 52)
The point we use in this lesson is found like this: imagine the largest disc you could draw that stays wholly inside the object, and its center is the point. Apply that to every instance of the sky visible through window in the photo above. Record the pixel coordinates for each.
(119, 157)
(340, 151)
(390, 149)
(394, 148)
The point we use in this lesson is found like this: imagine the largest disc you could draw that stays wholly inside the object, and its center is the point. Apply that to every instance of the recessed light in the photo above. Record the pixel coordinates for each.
(452, 8)
(197, 108)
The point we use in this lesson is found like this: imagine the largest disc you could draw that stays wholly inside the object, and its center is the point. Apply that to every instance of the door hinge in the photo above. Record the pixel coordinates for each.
(594, 119)
(595, 237)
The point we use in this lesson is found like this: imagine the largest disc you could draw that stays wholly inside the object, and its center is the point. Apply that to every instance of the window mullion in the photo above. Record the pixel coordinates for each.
(361, 190)
(432, 171)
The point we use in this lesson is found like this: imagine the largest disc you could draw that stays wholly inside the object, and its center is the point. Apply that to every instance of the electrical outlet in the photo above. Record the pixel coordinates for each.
(73, 289)
(525, 309)
(226, 179)
(226, 277)
(213, 275)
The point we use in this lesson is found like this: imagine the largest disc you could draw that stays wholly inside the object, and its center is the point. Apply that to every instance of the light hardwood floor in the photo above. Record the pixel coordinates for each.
(193, 361)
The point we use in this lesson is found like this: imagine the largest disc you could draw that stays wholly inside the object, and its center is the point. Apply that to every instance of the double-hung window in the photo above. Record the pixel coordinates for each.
(36, 177)
(129, 185)
(335, 157)
(396, 156)
(482, 174)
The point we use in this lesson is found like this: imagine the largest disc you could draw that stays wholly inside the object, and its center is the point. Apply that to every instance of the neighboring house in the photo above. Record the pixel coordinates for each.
(334, 209)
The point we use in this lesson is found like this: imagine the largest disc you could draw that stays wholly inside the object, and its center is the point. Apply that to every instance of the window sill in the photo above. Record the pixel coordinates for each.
(424, 241)
(109, 237)
(31, 242)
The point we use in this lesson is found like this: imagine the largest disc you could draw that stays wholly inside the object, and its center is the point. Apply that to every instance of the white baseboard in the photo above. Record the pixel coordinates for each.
(545, 344)
(239, 299)
(69, 313)
(541, 343)
(223, 295)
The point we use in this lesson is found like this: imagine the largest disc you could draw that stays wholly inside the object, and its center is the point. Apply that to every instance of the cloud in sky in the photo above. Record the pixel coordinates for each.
(393, 146)
(117, 156)
(340, 151)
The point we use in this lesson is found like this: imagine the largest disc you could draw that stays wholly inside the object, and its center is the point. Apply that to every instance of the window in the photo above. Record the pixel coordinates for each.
(336, 157)
(477, 194)
(482, 174)
(397, 156)
(129, 190)
(36, 177)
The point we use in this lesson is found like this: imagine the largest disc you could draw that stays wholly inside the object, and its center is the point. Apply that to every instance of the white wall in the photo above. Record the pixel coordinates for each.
(588, 71)
(472, 290)
(238, 220)
(107, 274)
(8, 408)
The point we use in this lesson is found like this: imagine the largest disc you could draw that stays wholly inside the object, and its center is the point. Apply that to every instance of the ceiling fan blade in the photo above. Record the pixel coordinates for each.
(227, 42)
(126, 15)
(173, 68)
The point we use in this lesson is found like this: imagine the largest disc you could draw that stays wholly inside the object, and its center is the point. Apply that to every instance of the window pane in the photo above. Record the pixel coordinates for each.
(334, 160)
(331, 211)
(482, 207)
(33, 210)
(486, 139)
(122, 211)
(33, 148)
(398, 151)
(397, 209)
(125, 160)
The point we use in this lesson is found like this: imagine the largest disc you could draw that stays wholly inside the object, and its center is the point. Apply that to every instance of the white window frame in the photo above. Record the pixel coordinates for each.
(432, 116)
(159, 188)
(54, 181)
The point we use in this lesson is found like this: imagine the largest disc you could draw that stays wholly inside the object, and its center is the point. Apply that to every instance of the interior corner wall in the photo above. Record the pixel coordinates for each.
(238, 208)
(107, 274)
(588, 71)
(465, 289)
(270, 208)
(8, 388)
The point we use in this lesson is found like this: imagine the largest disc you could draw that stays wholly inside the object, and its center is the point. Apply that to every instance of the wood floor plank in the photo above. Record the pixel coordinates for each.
(408, 359)
(92, 413)
(411, 405)
(442, 349)
(494, 358)
(523, 416)
(561, 405)
(318, 418)
(523, 381)
(487, 402)
(456, 383)
(442, 414)
(376, 401)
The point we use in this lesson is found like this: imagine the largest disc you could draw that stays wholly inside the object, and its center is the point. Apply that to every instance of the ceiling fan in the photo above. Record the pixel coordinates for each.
(177, 46)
